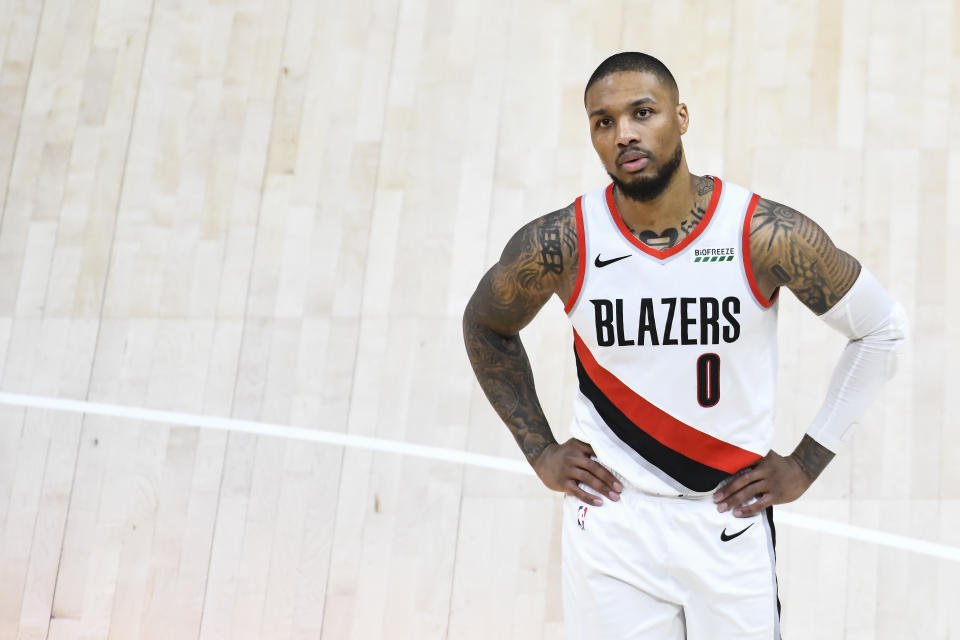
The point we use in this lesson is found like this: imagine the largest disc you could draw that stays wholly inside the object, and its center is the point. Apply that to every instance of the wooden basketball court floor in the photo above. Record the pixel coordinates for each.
(264, 218)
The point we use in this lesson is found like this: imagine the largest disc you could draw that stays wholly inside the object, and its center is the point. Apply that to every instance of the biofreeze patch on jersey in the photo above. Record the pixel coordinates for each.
(714, 255)
(713, 252)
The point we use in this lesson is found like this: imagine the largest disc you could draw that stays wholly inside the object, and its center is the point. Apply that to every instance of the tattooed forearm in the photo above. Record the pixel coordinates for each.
(503, 370)
(812, 457)
(788, 248)
(538, 261)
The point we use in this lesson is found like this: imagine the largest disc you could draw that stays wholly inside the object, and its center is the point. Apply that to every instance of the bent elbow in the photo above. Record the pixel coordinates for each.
(899, 325)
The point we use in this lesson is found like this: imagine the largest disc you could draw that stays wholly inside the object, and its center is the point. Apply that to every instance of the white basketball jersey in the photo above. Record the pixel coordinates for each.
(676, 349)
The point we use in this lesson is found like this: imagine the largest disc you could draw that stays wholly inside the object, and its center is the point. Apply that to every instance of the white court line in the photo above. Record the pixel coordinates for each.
(434, 453)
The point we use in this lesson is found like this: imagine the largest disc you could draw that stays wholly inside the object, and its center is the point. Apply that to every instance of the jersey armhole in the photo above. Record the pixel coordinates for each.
(581, 257)
(745, 252)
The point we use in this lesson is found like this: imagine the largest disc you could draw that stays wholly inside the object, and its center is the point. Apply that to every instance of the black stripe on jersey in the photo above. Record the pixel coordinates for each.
(768, 512)
(694, 475)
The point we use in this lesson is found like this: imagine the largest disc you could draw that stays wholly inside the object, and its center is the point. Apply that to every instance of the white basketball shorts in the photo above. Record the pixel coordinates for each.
(663, 568)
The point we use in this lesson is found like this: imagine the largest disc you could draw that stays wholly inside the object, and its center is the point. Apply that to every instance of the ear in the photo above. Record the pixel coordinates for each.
(683, 118)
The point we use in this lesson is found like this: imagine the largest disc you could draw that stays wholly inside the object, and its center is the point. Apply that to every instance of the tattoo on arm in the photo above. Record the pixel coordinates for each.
(536, 263)
(788, 248)
(501, 365)
(772, 220)
(812, 457)
(551, 248)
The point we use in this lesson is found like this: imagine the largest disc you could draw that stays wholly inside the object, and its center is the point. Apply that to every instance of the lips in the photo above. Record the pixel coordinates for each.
(633, 160)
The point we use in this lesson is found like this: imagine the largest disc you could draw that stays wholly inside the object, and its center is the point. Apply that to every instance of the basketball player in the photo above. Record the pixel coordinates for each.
(670, 281)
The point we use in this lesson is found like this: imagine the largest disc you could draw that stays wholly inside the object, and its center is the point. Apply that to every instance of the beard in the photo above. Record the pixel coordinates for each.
(646, 188)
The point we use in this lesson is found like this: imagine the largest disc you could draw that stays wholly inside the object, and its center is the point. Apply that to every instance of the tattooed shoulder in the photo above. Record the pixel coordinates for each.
(538, 261)
(543, 251)
(788, 248)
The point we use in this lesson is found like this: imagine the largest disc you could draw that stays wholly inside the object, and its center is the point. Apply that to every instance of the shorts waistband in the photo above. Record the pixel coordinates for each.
(645, 493)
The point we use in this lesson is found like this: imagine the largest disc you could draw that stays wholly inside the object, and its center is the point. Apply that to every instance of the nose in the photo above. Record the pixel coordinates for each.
(626, 133)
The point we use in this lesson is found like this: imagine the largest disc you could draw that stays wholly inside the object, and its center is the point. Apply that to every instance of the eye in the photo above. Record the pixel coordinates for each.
(643, 113)
(604, 122)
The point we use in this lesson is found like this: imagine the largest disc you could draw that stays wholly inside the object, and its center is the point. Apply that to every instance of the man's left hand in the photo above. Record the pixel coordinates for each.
(775, 479)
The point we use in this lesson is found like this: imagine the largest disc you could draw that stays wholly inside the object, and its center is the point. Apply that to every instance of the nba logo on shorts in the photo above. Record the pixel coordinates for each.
(581, 515)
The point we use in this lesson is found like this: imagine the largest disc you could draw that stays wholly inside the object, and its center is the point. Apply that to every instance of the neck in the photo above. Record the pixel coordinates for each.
(665, 210)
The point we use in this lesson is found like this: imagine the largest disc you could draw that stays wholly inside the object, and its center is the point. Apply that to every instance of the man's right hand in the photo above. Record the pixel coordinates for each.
(562, 467)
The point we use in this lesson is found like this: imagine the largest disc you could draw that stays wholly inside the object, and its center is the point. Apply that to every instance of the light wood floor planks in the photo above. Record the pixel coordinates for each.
(275, 211)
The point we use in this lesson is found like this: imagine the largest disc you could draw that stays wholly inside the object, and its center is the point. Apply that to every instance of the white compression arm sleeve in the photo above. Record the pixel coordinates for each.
(876, 326)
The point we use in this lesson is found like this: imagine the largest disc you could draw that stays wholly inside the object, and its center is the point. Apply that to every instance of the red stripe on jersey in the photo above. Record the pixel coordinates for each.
(745, 250)
(659, 424)
(581, 256)
(665, 253)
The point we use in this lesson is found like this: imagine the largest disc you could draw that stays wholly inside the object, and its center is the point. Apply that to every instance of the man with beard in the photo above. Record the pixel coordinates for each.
(670, 281)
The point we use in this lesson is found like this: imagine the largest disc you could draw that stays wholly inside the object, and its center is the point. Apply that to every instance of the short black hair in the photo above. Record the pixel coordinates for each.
(634, 61)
